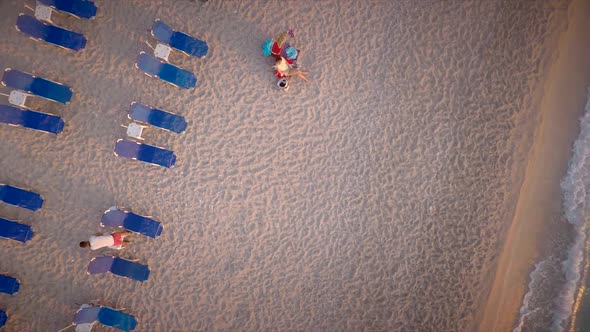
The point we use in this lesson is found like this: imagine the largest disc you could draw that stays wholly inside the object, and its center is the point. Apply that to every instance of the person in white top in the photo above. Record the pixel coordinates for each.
(113, 241)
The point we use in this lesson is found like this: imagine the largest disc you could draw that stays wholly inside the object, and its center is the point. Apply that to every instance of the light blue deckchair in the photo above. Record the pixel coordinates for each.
(25, 118)
(146, 153)
(20, 197)
(154, 67)
(88, 315)
(9, 285)
(120, 267)
(115, 217)
(79, 8)
(179, 40)
(50, 33)
(3, 318)
(157, 117)
(12, 230)
(41, 87)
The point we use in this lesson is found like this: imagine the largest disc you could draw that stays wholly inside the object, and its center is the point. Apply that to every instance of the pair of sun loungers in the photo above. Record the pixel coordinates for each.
(120, 218)
(22, 198)
(144, 116)
(157, 65)
(25, 85)
(41, 28)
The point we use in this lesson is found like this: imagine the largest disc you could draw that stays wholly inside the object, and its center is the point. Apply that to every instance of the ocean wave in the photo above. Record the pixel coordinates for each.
(575, 187)
(528, 308)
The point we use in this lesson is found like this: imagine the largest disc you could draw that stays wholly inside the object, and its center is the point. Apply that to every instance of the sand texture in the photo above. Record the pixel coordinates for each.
(375, 197)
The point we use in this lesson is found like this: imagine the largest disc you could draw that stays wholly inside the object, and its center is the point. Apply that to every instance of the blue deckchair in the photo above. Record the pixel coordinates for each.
(115, 217)
(9, 285)
(120, 267)
(178, 40)
(146, 153)
(30, 119)
(157, 117)
(49, 33)
(20, 197)
(106, 316)
(41, 87)
(3, 318)
(15, 231)
(165, 71)
(79, 8)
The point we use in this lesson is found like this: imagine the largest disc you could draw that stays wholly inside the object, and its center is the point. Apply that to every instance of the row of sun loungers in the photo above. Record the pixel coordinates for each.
(40, 27)
(25, 85)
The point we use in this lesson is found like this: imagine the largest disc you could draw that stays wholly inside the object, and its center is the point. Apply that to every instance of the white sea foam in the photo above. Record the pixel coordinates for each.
(575, 187)
(528, 307)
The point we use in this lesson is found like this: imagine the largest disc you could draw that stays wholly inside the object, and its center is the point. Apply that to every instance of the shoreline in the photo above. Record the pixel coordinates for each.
(564, 90)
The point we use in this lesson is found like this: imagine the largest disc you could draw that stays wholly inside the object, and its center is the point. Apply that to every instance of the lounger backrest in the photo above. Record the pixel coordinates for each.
(9, 285)
(87, 315)
(129, 269)
(20, 197)
(100, 264)
(116, 319)
(113, 218)
(162, 32)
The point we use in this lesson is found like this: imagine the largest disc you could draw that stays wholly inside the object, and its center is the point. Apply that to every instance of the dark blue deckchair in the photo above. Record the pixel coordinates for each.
(157, 117)
(178, 40)
(120, 267)
(3, 318)
(106, 316)
(9, 285)
(115, 217)
(79, 8)
(41, 87)
(156, 68)
(31, 119)
(50, 33)
(146, 153)
(12, 230)
(20, 197)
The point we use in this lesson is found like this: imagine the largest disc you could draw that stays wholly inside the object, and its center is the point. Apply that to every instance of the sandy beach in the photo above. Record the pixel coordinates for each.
(395, 191)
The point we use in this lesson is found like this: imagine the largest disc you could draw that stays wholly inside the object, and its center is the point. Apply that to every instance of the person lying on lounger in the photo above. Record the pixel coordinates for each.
(115, 241)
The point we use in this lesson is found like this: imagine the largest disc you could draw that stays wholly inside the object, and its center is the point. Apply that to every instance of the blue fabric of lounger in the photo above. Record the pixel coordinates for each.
(146, 153)
(9, 285)
(157, 117)
(165, 71)
(132, 222)
(41, 87)
(31, 119)
(50, 33)
(79, 8)
(20, 197)
(179, 40)
(12, 230)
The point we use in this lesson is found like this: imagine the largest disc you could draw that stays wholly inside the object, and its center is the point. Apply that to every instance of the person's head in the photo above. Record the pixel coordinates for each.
(84, 244)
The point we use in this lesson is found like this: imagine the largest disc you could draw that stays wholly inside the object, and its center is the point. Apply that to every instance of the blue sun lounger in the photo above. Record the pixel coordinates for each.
(25, 118)
(50, 33)
(156, 117)
(9, 285)
(146, 153)
(12, 230)
(20, 197)
(165, 71)
(179, 40)
(3, 318)
(79, 8)
(115, 217)
(120, 267)
(88, 315)
(38, 86)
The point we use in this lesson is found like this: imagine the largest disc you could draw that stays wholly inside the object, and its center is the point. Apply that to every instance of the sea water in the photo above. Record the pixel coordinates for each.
(565, 307)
